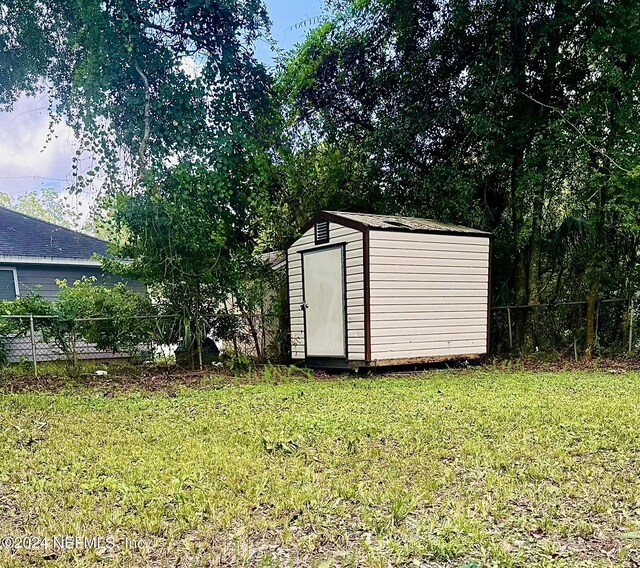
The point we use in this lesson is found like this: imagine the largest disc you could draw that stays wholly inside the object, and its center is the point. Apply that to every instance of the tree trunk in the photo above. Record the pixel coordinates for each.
(590, 332)
(254, 336)
(520, 264)
(627, 288)
(518, 74)
(532, 322)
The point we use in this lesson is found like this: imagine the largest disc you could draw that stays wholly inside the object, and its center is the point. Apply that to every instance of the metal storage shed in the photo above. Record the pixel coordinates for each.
(373, 290)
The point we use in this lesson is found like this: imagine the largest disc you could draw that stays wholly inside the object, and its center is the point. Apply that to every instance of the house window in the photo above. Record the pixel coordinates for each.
(322, 232)
(8, 284)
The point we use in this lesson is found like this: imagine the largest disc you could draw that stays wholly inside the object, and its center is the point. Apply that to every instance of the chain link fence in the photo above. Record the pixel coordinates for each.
(191, 343)
(561, 328)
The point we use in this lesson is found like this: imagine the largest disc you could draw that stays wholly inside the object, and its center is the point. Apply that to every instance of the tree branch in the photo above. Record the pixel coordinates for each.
(142, 148)
(580, 133)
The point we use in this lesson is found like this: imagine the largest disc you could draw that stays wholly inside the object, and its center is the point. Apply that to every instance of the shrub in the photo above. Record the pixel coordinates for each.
(113, 318)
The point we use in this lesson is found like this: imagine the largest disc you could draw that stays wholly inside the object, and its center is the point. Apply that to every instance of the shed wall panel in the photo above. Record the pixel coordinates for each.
(429, 294)
(354, 292)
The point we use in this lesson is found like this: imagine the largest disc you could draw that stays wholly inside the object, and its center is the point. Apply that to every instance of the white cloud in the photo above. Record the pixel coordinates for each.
(28, 162)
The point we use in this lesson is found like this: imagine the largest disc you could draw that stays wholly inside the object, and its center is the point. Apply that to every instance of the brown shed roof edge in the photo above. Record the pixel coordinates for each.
(363, 221)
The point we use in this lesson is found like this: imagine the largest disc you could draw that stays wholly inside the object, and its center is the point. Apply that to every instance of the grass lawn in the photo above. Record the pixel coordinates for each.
(447, 468)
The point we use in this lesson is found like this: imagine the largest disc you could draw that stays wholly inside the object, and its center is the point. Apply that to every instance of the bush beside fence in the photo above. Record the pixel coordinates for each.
(34, 339)
(561, 328)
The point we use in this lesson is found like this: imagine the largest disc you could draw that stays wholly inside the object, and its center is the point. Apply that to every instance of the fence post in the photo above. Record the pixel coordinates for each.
(199, 340)
(597, 323)
(510, 332)
(73, 344)
(33, 346)
(630, 326)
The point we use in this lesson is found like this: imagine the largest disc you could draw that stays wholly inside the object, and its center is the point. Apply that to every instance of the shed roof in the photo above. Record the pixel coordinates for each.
(25, 236)
(276, 259)
(396, 223)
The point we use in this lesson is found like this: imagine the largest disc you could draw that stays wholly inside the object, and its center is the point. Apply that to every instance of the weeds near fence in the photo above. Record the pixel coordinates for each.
(27, 342)
(238, 341)
(560, 328)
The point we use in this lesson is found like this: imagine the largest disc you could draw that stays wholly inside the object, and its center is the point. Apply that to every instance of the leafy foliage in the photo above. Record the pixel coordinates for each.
(113, 318)
(190, 235)
(113, 67)
(514, 117)
(517, 117)
(170, 101)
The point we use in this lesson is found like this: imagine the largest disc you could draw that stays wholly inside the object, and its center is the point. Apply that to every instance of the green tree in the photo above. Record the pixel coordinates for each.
(45, 204)
(170, 100)
(191, 235)
(112, 318)
(506, 115)
(141, 82)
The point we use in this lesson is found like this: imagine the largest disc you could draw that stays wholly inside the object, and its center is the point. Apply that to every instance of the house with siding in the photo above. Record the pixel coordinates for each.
(34, 254)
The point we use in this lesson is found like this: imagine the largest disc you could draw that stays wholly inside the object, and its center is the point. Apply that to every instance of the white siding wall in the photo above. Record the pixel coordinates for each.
(355, 289)
(428, 294)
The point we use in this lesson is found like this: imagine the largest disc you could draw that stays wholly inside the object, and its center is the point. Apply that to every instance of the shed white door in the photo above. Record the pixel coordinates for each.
(324, 302)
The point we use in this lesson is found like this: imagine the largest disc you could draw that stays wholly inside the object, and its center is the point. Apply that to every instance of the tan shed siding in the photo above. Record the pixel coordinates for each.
(428, 294)
(355, 288)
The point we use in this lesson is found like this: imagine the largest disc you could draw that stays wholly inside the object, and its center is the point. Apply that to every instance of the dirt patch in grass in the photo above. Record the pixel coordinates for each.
(169, 380)
(148, 380)
(12, 519)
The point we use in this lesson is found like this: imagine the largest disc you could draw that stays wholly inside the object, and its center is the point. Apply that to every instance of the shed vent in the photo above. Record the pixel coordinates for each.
(322, 232)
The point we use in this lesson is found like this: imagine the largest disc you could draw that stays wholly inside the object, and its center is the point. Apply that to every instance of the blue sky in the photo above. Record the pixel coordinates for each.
(289, 23)
(27, 163)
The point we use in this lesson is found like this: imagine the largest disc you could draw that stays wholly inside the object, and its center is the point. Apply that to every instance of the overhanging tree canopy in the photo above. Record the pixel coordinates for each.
(170, 99)
(142, 82)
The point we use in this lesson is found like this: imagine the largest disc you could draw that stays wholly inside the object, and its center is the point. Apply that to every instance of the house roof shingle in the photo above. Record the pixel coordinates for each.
(25, 236)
